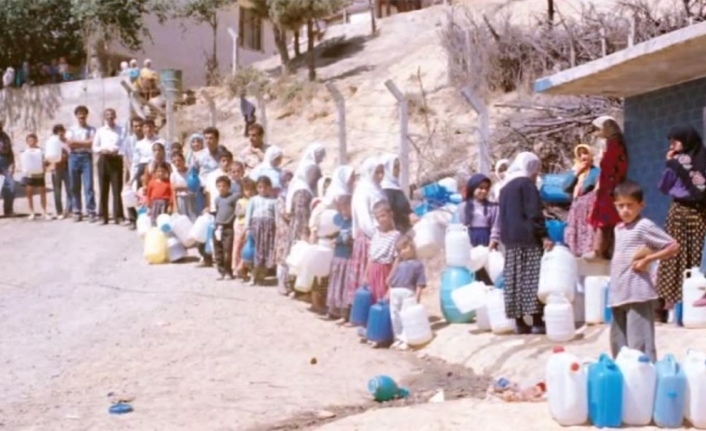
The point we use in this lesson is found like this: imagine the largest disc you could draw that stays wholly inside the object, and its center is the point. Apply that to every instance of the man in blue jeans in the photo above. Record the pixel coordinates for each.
(7, 170)
(80, 140)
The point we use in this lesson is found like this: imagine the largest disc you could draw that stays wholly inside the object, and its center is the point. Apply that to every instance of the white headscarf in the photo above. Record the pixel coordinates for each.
(340, 185)
(525, 164)
(321, 185)
(499, 165)
(266, 167)
(314, 153)
(299, 182)
(598, 122)
(366, 194)
(389, 181)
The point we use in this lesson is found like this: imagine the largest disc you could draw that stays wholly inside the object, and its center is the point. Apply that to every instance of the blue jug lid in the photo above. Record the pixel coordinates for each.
(643, 359)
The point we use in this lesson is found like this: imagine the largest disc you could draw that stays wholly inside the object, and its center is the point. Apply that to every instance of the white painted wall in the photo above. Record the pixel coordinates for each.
(184, 45)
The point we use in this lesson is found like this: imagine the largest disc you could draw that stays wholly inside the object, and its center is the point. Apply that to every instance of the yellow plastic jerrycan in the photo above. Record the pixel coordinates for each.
(156, 250)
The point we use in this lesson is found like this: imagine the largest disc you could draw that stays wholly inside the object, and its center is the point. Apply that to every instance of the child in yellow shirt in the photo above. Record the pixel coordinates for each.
(248, 190)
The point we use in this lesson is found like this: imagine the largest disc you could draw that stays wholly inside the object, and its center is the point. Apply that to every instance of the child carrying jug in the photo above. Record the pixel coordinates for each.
(638, 243)
(406, 281)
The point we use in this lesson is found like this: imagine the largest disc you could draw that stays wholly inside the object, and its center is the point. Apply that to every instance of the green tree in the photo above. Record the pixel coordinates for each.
(206, 11)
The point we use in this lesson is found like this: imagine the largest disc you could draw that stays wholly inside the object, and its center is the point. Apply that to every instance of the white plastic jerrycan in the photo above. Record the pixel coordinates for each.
(695, 400)
(32, 161)
(470, 297)
(693, 288)
(495, 264)
(594, 298)
(199, 230)
(567, 388)
(415, 323)
(457, 245)
(558, 273)
(639, 385)
(499, 322)
(478, 258)
(559, 318)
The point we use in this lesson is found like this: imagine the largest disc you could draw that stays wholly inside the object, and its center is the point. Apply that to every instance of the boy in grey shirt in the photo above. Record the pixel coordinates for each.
(223, 234)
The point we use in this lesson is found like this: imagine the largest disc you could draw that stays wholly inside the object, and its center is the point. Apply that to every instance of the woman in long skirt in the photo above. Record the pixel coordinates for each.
(366, 194)
(683, 180)
(298, 203)
(282, 233)
(579, 236)
(524, 234)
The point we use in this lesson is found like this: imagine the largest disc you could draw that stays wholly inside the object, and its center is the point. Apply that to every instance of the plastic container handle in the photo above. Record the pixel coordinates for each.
(672, 363)
(687, 273)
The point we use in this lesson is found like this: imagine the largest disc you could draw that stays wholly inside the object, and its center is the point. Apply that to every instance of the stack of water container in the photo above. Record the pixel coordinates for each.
(628, 391)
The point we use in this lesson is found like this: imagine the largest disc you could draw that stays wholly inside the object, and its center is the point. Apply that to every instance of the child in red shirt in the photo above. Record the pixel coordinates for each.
(159, 192)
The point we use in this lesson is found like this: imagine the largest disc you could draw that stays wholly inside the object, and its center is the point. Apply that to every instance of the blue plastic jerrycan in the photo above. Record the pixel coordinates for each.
(670, 393)
(451, 279)
(248, 252)
(192, 180)
(605, 393)
(379, 329)
(362, 301)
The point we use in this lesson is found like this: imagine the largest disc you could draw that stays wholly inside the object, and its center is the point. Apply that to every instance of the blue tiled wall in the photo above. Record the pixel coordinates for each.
(648, 118)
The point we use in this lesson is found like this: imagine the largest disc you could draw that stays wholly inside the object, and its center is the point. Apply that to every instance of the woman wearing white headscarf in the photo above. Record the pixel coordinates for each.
(270, 166)
(524, 234)
(401, 208)
(341, 184)
(500, 171)
(366, 194)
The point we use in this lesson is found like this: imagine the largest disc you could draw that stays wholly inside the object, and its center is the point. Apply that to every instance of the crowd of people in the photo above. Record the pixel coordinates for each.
(252, 197)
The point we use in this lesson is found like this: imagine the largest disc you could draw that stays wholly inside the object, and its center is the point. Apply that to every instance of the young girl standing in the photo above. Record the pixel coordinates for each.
(260, 220)
(382, 251)
(184, 199)
(36, 181)
(240, 236)
(480, 216)
(159, 192)
(338, 278)
(523, 232)
(159, 158)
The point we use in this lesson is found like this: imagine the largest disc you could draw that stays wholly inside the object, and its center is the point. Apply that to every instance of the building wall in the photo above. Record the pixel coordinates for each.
(648, 118)
(184, 44)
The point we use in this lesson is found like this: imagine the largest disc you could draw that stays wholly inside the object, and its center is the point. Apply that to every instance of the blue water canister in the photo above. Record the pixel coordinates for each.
(192, 180)
(209, 238)
(248, 252)
(453, 278)
(379, 328)
(555, 230)
(679, 314)
(362, 301)
(607, 311)
(670, 393)
(605, 393)
(552, 189)
(500, 281)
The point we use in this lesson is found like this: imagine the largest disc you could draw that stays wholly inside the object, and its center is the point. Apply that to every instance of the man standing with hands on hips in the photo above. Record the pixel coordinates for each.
(109, 144)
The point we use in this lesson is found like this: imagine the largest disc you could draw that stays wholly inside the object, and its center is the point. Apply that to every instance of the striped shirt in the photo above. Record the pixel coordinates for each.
(382, 246)
(626, 285)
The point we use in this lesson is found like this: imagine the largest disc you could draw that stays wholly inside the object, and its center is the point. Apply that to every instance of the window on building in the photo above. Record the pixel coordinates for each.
(250, 30)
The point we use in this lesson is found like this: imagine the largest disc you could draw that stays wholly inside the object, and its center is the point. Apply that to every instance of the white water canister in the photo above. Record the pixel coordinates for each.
(499, 322)
(155, 250)
(327, 224)
(559, 318)
(558, 273)
(639, 386)
(32, 161)
(199, 230)
(457, 245)
(129, 197)
(695, 370)
(296, 256)
(594, 298)
(483, 318)
(144, 223)
(693, 288)
(319, 259)
(164, 220)
(415, 323)
(495, 264)
(470, 297)
(450, 184)
(478, 258)
(175, 249)
(53, 149)
(428, 238)
(567, 383)
(181, 226)
(304, 281)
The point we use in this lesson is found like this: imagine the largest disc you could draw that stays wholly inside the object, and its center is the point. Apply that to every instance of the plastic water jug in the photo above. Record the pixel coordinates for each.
(208, 246)
(362, 301)
(296, 256)
(594, 294)
(53, 150)
(558, 273)
(499, 322)
(164, 222)
(500, 281)
(144, 223)
(552, 189)
(449, 184)
(192, 180)
(478, 257)
(32, 161)
(566, 382)
(451, 279)
(607, 311)
(428, 238)
(695, 396)
(379, 328)
(670, 393)
(327, 224)
(199, 230)
(415, 323)
(559, 318)
(693, 289)
(605, 393)
(457, 245)
(639, 386)
(129, 197)
(319, 260)
(155, 250)
(175, 249)
(181, 226)
(495, 264)
(471, 297)
(248, 252)
(384, 388)
(555, 230)
(304, 281)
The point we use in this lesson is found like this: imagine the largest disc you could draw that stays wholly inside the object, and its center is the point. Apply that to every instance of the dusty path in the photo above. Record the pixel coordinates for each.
(81, 316)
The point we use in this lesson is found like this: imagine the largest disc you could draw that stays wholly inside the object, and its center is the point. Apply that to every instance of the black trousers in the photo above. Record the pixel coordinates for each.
(110, 177)
(223, 249)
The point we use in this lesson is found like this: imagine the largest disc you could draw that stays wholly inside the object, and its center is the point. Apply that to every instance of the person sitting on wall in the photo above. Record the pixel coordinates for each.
(148, 82)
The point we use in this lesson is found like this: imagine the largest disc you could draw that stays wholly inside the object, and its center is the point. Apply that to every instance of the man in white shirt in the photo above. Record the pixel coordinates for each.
(80, 141)
(109, 144)
(143, 154)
